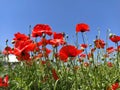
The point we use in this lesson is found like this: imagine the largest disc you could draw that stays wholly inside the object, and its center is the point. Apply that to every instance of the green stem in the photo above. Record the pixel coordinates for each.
(77, 40)
(84, 43)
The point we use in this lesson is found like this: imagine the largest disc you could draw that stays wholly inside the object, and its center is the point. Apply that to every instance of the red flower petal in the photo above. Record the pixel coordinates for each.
(114, 38)
(55, 76)
(99, 43)
(82, 27)
(39, 29)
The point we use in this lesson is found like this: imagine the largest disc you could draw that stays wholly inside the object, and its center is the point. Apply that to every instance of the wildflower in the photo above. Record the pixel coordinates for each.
(82, 27)
(22, 48)
(22, 55)
(83, 55)
(58, 38)
(4, 81)
(114, 38)
(19, 36)
(110, 50)
(69, 51)
(7, 50)
(58, 35)
(115, 86)
(109, 64)
(83, 46)
(92, 50)
(55, 76)
(99, 43)
(39, 29)
(43, 42)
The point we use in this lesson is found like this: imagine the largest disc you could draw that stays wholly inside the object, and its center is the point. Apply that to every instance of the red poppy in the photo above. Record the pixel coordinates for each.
(22, 55)
(99, 43)
(7, 50)
(22, 46)
(58, 38)
(22, 49)
(68, 51)
(110, 50)
(4, 81)
(83, 55)
(19, 36)
(114, 38)
(82, 27)
(39, 29)
(58, 35)
(43, 42)
(92, 50)
(63, 57)
(27, 45)
(115, 86)
(83, 46)
(57, 42)
(109, 64)
(55, 76)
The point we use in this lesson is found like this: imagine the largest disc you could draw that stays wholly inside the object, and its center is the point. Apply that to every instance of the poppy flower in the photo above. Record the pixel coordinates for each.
(68, 51)
(58, 38)
(114, 38)
(83, 55)
(110, 50)
(109, 64)
(22, 46)
(115, 86)
(92, 50)
(4, 81)
(7, 50)
(57, 42)
(19, 36)
(43, 42)
(82, 27)
(22, 49)
(58, 35)
(39, 29)
(99, 43)
(54, 74)
(22, 55)
(27, 45)
(83, 46)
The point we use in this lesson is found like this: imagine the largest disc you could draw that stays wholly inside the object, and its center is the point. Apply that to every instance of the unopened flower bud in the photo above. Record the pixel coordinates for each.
(13, 41)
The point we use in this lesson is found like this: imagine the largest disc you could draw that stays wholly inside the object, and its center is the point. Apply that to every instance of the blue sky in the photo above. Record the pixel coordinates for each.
(61, 15)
